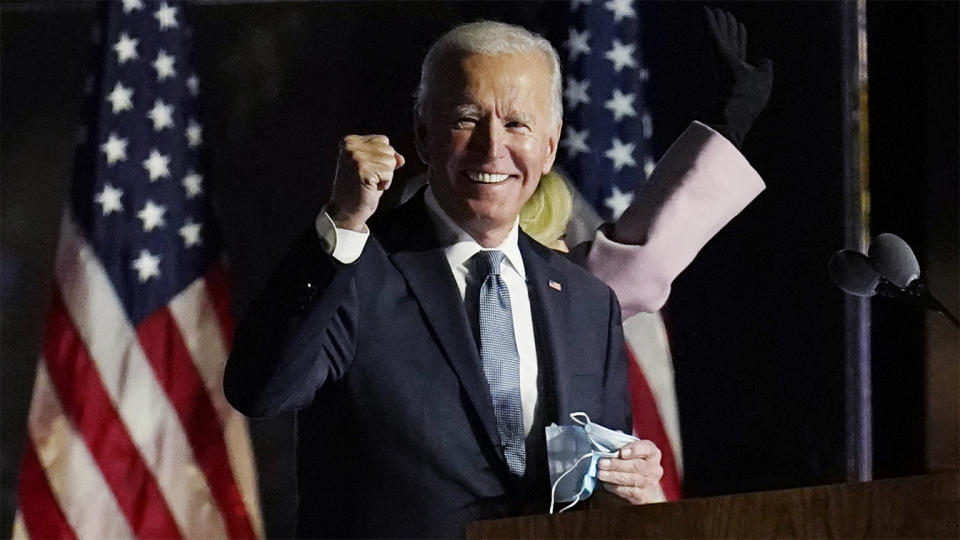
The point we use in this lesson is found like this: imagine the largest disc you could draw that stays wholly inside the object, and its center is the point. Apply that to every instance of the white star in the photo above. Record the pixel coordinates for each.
(575, 141)
(152, 216)
(620, 104)
(164, 65)
(109, 199)
(648, 166)
(621, 55)
(620, 9)
(647, 124)
(121, 98)
(621, 154)
(193, 183)
(190, 232)
(132, 5)
(193, 84)
(115, 148)
(126, 48)
(166, 16)
(617, 202)
(644, 74)
(161, 114)
(577, 43)
(157, 165)
(576, 92)
(194, 133)
(147, 265)
(574, 4)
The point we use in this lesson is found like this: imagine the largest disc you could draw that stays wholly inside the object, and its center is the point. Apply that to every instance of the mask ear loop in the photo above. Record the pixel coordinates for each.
(553, 491)
(582, 419)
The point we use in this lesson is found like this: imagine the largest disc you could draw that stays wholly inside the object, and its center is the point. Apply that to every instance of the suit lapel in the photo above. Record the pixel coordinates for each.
(432, 284)
(417, 252)
(549, 304)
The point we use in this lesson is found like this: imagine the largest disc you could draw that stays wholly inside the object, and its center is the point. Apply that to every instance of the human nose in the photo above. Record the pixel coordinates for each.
(489, 141)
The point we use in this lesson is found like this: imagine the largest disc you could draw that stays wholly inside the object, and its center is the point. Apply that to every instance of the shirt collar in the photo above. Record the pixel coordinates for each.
(463, 246)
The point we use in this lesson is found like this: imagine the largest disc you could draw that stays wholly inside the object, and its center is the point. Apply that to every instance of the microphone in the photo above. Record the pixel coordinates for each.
(893, 259)
(851, 271)
(891, 270)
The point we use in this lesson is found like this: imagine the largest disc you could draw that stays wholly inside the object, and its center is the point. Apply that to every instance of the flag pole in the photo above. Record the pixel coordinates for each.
(856, 195)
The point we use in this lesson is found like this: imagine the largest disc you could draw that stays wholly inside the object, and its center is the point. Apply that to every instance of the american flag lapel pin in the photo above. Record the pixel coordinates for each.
(555, 285)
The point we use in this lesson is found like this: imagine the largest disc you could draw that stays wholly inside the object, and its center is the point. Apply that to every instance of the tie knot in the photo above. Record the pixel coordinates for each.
(487, 262)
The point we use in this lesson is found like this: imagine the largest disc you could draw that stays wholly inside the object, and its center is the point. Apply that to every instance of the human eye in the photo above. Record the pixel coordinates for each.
(517, 125)
(465, 117)
(465, 122)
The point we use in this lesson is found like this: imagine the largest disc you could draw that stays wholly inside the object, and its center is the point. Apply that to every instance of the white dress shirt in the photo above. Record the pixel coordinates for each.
(346, 246)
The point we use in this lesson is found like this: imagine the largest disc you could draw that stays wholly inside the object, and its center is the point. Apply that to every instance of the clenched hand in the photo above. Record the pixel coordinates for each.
(364, 171)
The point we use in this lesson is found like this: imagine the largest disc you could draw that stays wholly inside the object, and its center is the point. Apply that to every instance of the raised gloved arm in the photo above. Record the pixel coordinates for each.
(744, 89)
(698, 186)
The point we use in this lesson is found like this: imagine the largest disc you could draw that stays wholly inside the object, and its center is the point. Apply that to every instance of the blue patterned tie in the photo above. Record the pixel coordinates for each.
(501, 361)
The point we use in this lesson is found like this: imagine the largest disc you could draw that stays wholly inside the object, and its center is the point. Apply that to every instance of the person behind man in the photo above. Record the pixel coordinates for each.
(428, 356)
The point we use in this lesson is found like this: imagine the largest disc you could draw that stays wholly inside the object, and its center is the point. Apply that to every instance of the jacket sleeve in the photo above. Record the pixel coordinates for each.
(299, 333)
(698, 186)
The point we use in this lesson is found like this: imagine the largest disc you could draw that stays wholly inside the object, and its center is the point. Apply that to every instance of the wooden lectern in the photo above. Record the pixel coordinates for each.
(915, 507)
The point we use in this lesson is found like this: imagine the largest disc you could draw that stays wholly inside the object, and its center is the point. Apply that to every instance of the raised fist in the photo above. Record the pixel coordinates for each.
(364, 171)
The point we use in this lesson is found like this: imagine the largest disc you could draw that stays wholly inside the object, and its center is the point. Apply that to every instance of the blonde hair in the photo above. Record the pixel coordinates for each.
(548, 210)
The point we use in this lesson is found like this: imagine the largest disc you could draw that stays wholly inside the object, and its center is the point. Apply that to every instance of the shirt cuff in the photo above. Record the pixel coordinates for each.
(343, 245)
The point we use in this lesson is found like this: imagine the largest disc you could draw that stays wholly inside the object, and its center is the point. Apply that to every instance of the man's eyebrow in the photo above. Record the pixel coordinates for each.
(520, 116)
(466, 109)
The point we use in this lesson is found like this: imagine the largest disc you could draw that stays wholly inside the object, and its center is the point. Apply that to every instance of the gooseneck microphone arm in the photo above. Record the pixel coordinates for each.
(917, 293)
(856, 274)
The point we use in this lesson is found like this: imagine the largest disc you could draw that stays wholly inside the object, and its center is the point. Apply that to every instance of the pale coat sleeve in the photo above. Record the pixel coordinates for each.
(698, 186)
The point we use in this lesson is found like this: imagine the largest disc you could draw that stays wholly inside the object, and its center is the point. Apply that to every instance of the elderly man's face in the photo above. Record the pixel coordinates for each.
(489, 137)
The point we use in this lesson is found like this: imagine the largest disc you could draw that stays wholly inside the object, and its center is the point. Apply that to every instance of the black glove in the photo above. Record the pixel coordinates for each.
(744, 89)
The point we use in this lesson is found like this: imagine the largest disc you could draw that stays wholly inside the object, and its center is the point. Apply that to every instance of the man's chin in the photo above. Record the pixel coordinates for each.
(484, 209)
(487, 218)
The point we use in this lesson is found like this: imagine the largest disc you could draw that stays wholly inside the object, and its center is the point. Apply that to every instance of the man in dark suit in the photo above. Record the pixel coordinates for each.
(427, 352)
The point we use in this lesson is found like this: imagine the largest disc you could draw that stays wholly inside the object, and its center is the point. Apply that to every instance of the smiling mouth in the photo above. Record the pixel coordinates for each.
(486, 178)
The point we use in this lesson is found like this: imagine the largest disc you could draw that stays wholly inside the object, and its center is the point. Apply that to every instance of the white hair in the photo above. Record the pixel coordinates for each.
(488, 38)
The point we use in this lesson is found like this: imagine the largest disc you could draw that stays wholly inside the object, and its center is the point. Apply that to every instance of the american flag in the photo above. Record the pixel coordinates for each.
(606, 151)
(129, 432)
(607, 129)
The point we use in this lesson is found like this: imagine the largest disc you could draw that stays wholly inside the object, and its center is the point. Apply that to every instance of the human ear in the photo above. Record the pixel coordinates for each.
(552, 143)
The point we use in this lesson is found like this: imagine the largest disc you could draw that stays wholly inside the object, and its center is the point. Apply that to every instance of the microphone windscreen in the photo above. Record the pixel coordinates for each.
(893, 259)
(851, 271)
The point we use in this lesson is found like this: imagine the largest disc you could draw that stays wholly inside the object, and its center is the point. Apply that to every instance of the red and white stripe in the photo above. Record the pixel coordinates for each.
(653, 395)
(207, 331)
(58, 450)
(130, 435)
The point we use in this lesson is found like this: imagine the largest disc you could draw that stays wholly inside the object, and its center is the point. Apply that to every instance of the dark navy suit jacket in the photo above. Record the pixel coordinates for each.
(396, 431)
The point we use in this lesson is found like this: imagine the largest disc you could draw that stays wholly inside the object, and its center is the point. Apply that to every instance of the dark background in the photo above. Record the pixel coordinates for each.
(756, 327)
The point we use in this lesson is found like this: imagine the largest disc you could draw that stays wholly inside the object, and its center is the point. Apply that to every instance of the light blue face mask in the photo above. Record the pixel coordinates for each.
(572, 455)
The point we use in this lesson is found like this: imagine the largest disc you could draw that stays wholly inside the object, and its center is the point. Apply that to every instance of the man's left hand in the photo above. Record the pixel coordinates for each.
(635, 474)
